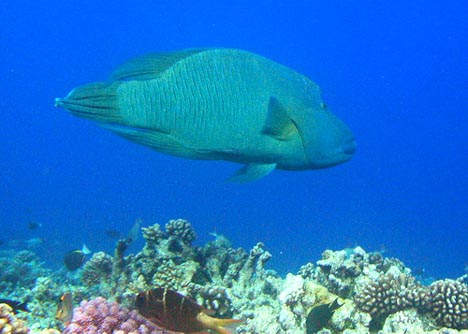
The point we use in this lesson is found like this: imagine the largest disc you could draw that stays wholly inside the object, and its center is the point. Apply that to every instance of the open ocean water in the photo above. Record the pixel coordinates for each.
(394, 71)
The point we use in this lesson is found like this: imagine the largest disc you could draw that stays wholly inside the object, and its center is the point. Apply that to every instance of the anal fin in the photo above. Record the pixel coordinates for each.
(160, 141)
(252, 172)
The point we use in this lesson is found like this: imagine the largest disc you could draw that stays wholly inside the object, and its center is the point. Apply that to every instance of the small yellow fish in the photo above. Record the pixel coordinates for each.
(174, 311)
(65, 308)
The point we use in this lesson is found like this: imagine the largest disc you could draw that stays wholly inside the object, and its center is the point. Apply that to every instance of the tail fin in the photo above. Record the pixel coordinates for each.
(224, 322)
(95, 101)
(216, 324)
(85, 250)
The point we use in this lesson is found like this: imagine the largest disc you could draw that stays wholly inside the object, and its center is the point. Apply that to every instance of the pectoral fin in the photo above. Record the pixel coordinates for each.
(251, 172)
(278, 123)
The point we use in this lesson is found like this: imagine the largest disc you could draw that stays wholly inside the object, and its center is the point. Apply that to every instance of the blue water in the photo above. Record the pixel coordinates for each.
(394, 71)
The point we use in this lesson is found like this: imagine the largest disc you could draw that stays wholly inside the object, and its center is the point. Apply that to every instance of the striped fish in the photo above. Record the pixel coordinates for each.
(174, 311)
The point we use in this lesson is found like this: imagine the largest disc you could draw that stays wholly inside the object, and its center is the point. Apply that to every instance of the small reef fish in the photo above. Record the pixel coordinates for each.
(33, 225)
(114, 234)
(65, 308)
(74, 259)
(320, 315)
(15, 305)
(218, 104)
(130, 237)
(134, 232)
(174, 311)
(124, 243)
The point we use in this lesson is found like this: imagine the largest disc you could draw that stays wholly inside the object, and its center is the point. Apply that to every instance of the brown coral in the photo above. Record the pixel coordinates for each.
(211, 297)
(449, 303)
(153, 235)
(182, 230)
(174, 276)
(9, 324)
(97, 269)
(389, 294)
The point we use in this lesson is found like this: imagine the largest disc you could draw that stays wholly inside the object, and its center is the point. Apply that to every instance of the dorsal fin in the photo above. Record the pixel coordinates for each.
(149, 66)
(278, 123)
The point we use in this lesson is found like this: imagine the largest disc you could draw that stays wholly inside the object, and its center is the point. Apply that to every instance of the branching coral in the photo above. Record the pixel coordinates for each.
(100, 316)
(255, 263)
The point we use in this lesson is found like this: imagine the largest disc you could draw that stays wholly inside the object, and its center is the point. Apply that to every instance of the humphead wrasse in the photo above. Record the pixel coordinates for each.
(218, 104)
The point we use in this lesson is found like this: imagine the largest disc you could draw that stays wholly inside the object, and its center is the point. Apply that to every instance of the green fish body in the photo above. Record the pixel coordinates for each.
(218, 104)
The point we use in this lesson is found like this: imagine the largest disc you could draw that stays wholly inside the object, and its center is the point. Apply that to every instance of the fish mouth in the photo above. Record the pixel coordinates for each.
(349, 147)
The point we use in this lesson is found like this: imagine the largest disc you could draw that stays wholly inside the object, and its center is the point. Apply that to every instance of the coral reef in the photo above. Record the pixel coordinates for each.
(378, 294)
(9, 324)
(340, 271)
(390, 294)
(449, 303)
(100, 316)
(446, 301)
(20, 270)
(181, 230)
(406, 321)
(97, 269)
(212, 298)
(23, 277)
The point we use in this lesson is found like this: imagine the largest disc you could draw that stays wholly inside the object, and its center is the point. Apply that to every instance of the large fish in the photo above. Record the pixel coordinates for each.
(218, 104)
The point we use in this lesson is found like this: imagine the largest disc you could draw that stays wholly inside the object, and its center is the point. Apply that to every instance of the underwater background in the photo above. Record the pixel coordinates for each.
(395, 72)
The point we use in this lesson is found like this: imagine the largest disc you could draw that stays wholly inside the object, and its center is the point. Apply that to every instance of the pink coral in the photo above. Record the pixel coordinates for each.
(99, 316)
